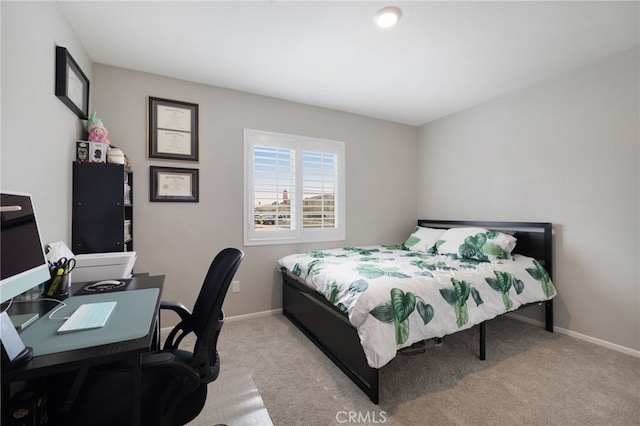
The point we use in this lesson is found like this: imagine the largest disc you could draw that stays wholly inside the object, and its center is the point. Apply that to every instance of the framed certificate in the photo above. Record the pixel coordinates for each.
(72, 86)
(173, 184)
(173, 130)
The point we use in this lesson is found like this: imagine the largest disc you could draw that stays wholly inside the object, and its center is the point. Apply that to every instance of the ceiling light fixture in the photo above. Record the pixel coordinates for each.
(388, 16)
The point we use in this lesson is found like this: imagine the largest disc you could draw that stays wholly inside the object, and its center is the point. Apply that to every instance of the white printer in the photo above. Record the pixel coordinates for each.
(103, 266)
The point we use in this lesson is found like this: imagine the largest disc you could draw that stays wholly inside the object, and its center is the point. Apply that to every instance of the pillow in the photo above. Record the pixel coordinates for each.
(424, 239)
(476, 243)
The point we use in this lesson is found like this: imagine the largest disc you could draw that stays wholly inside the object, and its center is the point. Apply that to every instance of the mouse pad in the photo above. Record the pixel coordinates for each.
(92, 288)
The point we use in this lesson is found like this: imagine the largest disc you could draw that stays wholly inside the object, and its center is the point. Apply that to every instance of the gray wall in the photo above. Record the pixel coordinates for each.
(180, 239)
(38, 130)
(564, 151)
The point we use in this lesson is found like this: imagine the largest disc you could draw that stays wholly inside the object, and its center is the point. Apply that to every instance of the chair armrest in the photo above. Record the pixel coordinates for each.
(183, 328)
(176, 307)
(156, 359)
(188, 378)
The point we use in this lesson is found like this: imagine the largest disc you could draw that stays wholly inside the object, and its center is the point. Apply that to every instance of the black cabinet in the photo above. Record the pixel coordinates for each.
(102, 213)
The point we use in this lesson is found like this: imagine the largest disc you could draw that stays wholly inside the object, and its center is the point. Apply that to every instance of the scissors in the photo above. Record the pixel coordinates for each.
(66, 264)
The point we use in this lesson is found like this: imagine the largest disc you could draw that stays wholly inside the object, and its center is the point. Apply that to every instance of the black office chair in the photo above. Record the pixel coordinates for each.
(174, 381)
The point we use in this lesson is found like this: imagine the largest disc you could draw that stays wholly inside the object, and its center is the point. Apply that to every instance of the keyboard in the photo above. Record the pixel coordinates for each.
(88, 316)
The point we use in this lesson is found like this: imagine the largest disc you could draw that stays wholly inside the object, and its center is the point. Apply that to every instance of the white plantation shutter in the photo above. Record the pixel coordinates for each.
(294, 188)
(319, 183)
(274, 172)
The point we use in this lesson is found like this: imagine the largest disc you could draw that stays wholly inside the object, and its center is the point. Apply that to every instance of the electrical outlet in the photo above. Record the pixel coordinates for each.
(235, 286)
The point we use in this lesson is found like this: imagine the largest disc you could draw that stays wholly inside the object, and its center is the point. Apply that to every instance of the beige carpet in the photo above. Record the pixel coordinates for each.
(530, 377)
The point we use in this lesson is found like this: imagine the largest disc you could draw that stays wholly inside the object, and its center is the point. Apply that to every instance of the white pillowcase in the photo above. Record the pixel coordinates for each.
(477, 243)
(424, 239)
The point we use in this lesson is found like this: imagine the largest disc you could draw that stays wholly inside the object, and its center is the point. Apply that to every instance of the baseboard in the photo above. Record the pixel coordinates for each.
(254, 315)
(599, 342)
(166, 330)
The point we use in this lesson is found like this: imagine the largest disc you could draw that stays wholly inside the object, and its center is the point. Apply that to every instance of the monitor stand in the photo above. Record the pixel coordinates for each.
(14, 352)
(22, 358)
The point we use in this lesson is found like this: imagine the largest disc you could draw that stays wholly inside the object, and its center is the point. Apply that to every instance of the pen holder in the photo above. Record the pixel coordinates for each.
(58, 286)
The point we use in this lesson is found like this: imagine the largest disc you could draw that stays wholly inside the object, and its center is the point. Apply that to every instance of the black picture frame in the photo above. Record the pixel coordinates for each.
(173, 184)
(72, 85)
(173, 130)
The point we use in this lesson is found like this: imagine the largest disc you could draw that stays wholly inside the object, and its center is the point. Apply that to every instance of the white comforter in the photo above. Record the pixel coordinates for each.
(396, 297)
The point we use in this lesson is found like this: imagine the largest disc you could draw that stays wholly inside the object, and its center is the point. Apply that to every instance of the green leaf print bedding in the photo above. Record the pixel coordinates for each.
(396, 297)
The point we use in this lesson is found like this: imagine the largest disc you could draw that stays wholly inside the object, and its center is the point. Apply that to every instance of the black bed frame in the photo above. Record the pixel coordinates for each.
(332, 332)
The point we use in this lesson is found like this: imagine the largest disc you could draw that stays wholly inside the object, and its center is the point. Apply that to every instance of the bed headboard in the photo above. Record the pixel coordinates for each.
(534, 238)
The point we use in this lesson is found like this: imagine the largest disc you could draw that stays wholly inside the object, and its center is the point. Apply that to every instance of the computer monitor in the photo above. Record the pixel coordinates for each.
(22, 261)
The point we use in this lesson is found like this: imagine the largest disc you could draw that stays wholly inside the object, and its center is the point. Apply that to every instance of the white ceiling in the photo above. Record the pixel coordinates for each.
(442, 57)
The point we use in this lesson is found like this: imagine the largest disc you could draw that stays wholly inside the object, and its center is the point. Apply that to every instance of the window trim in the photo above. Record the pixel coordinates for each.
(299, 234)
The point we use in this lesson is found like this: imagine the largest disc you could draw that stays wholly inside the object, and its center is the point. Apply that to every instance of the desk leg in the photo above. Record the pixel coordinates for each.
(155, 342)
(75, 390)
(136, 388)
(5, 397)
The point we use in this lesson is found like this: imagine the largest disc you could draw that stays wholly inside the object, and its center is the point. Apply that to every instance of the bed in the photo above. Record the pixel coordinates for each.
(447, 277)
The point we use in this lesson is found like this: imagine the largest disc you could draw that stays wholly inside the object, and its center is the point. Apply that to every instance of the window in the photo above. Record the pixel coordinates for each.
(293, 189)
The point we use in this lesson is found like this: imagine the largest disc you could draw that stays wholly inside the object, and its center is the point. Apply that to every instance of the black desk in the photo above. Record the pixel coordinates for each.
(81, 360)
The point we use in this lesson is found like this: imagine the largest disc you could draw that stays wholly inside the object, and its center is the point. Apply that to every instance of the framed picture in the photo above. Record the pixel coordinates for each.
(173, 184)
(72, 86)
(173, 130)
